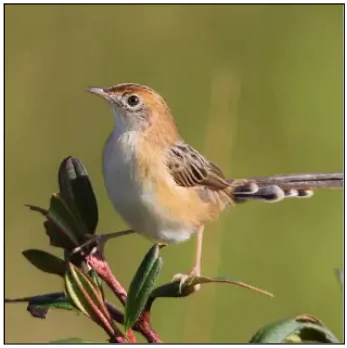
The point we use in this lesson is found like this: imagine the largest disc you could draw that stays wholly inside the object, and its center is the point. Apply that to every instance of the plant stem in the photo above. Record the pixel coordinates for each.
(102, 268)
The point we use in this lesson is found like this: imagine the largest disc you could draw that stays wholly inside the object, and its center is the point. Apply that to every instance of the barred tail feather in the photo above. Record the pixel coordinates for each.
(276, 188)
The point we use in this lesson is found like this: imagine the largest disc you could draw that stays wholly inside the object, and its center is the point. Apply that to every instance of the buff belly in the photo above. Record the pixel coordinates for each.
(135, 200)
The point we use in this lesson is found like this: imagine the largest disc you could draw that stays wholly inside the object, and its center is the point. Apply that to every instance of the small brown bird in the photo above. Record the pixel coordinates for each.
(165, 189)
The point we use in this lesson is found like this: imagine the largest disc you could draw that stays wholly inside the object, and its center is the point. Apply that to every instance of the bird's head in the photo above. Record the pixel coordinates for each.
(136, 107)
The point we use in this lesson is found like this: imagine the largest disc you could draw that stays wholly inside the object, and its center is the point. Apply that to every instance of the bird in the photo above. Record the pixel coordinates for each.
(165, 189)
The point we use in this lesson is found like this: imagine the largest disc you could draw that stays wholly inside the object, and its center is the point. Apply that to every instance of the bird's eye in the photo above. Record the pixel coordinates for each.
(133, 100)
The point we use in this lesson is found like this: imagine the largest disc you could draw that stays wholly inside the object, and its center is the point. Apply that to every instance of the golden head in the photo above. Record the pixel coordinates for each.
(135, 107)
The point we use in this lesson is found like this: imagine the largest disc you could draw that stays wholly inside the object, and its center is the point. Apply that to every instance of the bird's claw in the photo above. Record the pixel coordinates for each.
(186, 280)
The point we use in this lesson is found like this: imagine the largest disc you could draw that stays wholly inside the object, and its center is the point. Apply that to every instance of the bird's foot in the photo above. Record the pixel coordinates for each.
(187, 280)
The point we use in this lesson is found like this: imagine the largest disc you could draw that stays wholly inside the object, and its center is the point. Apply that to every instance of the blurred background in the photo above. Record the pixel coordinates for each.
(257, 88)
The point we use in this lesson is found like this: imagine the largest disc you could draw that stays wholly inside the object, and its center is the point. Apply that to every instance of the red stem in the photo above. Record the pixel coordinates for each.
(103, 270)
(143, 325)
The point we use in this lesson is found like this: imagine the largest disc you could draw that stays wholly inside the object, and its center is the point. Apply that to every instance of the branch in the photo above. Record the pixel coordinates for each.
(143, 325)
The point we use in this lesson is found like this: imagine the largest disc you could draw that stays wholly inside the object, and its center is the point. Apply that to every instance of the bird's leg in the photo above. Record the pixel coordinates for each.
(185, 279)
(97, 242)
(198, 253)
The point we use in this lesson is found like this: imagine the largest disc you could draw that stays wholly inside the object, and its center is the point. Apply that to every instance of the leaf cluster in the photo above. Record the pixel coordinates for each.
(70, 223)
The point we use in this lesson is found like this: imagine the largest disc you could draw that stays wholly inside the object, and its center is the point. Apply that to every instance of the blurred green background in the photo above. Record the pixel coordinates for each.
(257, 88)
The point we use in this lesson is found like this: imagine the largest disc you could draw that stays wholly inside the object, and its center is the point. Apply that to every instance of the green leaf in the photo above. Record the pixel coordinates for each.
(38, 306)
(62, 215)
(45, 262)
(303, 328)
(142, 285)
(87, 297)
(96, 279)
(77, 189)
(72, 340)
(56, 237)
(63, 227)
(172, 289)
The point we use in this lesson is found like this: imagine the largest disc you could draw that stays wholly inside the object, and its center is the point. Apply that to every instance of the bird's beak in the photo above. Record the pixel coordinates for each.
(104, 93)
(98, 91)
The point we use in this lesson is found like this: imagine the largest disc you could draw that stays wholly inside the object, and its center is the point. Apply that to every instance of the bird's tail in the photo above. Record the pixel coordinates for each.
(275, 188)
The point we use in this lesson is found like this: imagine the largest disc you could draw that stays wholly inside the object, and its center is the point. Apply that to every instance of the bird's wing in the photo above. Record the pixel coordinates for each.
(190, 169)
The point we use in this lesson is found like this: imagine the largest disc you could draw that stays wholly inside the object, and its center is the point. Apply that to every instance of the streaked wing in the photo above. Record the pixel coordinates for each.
(189, 168)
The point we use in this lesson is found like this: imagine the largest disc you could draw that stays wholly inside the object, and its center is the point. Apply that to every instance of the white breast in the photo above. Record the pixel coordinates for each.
(133, 199)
